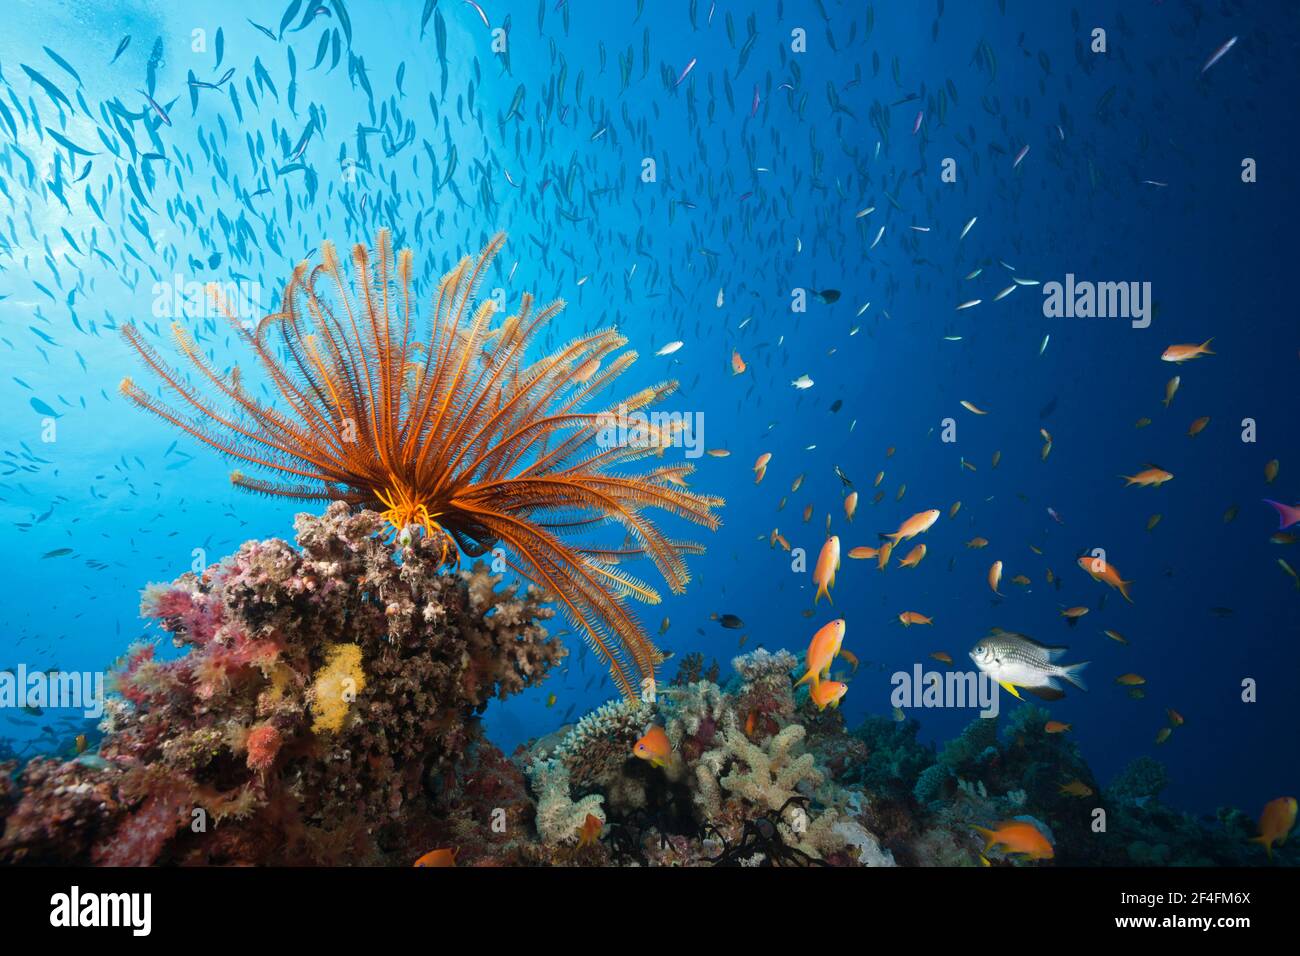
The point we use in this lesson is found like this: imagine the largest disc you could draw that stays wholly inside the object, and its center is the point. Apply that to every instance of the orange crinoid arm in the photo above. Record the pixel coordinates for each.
(440, 423)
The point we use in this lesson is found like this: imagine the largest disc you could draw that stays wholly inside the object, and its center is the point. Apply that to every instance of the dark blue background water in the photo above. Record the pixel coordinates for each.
(1219, 254)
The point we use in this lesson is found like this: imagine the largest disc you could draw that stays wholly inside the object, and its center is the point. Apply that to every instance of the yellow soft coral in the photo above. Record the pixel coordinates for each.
(337, 685)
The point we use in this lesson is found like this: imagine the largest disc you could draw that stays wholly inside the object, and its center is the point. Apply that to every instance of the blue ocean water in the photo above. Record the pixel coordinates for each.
(1133, 173)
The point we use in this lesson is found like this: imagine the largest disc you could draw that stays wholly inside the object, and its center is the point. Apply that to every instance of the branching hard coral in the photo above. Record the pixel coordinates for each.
(559, 817)
(765, 776)
(441, 423)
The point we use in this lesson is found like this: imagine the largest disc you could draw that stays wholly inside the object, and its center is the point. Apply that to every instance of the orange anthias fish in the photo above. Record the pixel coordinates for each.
(1185, 353)
(654, 747)
(1076, 788)
(760, 466)
(1108, 574)
(919, 523)
(1055, 727)
(882, 555)
(444, 857)
(1150, 477)
(913, 557)
(850, 505)
(914, 617)
(589, 832)
(995, 576)
(822, 649)
(1275, 823)
(861, 552)
(828, 692)
(1018, 836)
(828, 562)
(737, 363)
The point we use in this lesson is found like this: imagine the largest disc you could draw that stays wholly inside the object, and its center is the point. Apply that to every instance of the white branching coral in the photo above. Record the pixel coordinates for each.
(766, 776)
(559, 816)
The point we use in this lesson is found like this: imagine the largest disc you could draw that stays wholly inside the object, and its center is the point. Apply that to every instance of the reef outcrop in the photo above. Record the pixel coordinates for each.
(325, 698)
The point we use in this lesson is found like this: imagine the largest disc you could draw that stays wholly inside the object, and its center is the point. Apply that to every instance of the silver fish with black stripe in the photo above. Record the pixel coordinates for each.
(1016, 661)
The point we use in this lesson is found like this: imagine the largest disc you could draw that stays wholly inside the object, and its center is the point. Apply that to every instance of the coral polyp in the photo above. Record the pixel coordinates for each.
(445, 428)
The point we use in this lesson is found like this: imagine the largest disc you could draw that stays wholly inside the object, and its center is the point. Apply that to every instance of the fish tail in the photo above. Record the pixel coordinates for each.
(1286, 515)
(890, 536)
(1074, 674)
(1205, 346)
(989, 836)
(811, 676)
(1123, 590)
(1265, 843)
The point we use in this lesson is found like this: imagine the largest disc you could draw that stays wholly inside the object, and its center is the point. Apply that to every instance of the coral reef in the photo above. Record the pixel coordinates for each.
(747, 782)
(324, 709)
(322, 692)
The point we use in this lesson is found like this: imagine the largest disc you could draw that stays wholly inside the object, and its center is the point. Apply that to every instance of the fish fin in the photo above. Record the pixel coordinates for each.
(1263, 841)
(1205, 346)
(1074, 674)
(1128, 480)
(1011, 689)
(1046, 692)
(1053, 651)
(1123, 590)
(810, 676)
